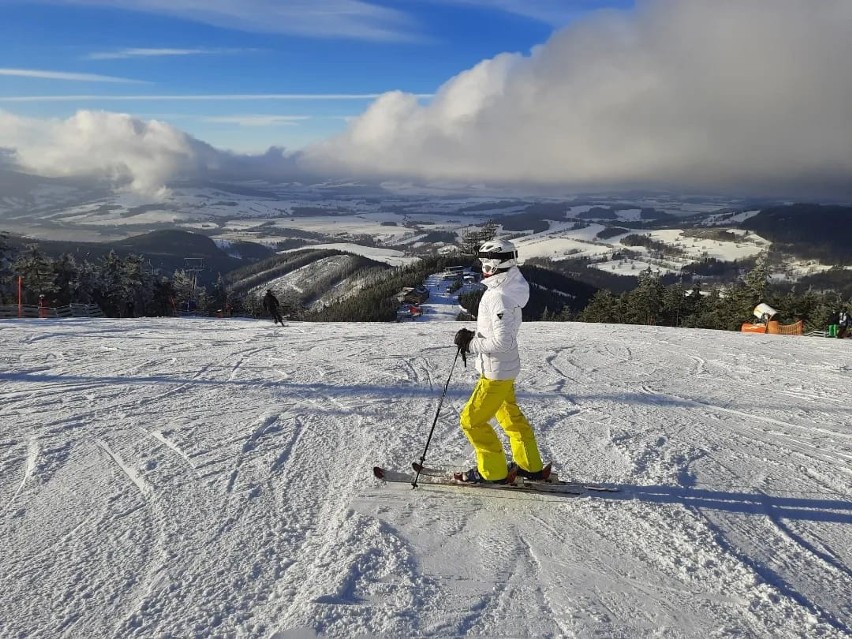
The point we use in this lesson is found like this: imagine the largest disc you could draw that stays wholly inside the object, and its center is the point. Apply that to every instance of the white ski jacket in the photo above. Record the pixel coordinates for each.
(495, 345)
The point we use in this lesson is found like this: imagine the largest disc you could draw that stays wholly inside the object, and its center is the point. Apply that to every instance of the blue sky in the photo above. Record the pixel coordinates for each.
(189, 67)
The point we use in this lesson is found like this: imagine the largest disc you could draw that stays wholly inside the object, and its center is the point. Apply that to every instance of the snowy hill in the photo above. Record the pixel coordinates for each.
(404, 223)
(197, 478)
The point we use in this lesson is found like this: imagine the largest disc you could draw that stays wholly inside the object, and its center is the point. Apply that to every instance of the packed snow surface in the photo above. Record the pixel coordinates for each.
(212, 478)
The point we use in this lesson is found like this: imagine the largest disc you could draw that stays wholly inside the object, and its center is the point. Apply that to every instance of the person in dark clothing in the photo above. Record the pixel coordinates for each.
(271, 306)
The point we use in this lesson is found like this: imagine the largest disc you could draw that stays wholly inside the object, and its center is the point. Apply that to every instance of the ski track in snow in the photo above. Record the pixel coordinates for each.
(197, 478)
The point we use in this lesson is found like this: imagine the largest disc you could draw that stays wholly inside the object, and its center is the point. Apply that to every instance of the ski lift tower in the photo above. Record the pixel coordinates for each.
(192, 266)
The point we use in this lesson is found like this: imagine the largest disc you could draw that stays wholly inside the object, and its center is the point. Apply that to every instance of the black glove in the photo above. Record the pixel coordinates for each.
(462, 340)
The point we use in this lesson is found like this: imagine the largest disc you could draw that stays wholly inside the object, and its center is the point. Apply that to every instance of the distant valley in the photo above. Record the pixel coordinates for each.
(620, 235)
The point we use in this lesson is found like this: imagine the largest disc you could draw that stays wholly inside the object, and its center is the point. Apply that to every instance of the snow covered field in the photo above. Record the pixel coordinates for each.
(197, 478)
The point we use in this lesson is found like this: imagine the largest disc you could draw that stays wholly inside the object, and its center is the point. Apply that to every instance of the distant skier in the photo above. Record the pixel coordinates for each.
(271, 306)
(844, 323)
(495, 348)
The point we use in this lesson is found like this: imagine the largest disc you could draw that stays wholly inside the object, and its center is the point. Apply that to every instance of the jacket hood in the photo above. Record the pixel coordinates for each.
(511, 285)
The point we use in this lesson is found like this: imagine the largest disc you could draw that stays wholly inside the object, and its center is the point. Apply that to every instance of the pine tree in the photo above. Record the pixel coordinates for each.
(603, 308)
(66, 278)
(110, 289)
(163, 301)
(733, 307)
(6, 285)
(218, 297)
(693, 307)
(86, 284)
(470, 301)
(825, 311)
(472, 239)
(565, 315)
(36, 269)
(137, 285)
(675, 305)
(757, 280)
(645, 302)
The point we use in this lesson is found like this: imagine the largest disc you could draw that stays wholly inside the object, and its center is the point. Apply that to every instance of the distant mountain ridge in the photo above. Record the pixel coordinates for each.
(231, 225)
(814, 231)
(164, 250)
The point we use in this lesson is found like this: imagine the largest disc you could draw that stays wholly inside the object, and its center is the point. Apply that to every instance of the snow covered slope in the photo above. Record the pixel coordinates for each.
(197, 478)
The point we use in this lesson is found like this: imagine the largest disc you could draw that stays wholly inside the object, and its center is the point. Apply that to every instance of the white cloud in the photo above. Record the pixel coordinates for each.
(137, 155)
(257, 120)
(133, 154)
(218, 97)
(736, 95)
(61, 75)
(354, 19)
(122, 54)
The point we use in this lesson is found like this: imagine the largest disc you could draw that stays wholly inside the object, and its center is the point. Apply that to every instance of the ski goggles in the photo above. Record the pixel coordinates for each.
(494, 255)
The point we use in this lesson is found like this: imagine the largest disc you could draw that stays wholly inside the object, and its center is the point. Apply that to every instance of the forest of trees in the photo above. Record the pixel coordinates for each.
(809, 231)
(120, 286)
(722, 306)
(128, 285)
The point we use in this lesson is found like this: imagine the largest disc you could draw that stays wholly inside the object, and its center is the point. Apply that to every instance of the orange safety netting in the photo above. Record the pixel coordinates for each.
(775, 328)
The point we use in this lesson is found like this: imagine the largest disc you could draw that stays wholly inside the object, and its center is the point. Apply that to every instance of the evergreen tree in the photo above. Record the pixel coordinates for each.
(694, 302)
(472, 239)
(66, 278)
(733, 307)
(757, 280)
(807, 307)
(645, 302)
(86, 284)
(565, 315)
(218, 297)
(163, 300)
(110, 288)
(605, 307)
(825, 311)
(36, 269)
(676, 305)
(137, 285)
(6, 284)
(703, 313)
(470, 301)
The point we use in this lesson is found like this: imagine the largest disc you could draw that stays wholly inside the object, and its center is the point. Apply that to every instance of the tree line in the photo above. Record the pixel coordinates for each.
(120, 286)
(721, 307)
(128, 285)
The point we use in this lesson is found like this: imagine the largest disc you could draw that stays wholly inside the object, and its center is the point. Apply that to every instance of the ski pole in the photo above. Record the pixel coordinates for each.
(437, 412)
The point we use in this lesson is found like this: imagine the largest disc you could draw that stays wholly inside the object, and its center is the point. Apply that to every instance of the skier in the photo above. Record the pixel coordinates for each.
(271, 306)
(843, 324)
(495, 348)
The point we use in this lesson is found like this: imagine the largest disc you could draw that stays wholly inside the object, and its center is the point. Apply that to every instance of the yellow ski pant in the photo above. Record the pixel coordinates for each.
(496, 398)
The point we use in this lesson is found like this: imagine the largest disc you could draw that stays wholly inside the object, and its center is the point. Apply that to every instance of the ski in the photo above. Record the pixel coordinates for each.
(553, 480)
(520, 486)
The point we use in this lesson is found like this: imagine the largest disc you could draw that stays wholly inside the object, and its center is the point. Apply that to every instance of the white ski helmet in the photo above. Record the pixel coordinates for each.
(497, 256)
